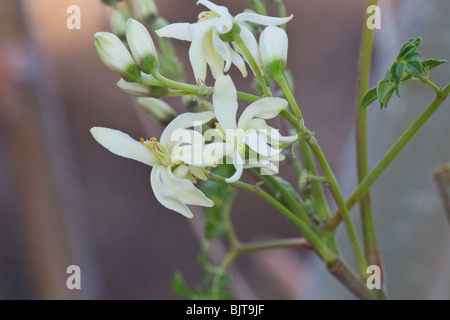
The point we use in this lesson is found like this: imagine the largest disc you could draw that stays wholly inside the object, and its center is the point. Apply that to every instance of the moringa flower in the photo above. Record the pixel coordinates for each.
(142, 46)
(115, 56)
(172, 180)
(208, 35)
(273, 47)
(250, 134)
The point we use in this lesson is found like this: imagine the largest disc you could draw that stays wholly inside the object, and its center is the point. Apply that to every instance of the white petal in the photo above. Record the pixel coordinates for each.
(185, 189)
(197, 56)
(183, 121)
(123, 145)
(260, 19)
(221, 10)
(273, 45)
(223, 50)
(258, 164)
(139, 40)
(238, 61)
(258, 143)
(223, 24)
(275, 137)
(167, 197)
(212, 57)
(225, 102)
(239, 165)
(252, 44)
(198, 172)
(192, 154)
(266, 108)
(180, 31)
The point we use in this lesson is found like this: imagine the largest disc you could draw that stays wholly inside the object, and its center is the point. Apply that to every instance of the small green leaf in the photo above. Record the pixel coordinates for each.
(385, 89)
(179, 286)
(406, 49)
(432, 63)
(411, 56)
(398, 72)
(397, 92)
(369, 97)
(414, 67)
(392, 70)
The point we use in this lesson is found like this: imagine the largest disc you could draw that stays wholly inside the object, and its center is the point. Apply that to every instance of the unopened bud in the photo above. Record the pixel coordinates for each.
(146, 10)
(142, 46)
(111, 2)
(157, 109)
(119, 23)
(273, 47)
(115, 56)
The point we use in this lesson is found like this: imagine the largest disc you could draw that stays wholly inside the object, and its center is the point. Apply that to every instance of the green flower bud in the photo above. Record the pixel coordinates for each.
(233, 34)
(146, 10)
(119, 23)
(115, 56)
(142, 46)
(273, 47)
(157, 109)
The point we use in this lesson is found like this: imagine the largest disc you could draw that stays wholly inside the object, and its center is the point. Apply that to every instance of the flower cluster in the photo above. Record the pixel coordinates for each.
(192, 143)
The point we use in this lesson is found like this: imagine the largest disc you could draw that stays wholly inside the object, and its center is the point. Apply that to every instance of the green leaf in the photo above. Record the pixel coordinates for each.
(392, 70)
(432, 63)
(406, 49)
(414, 67)
(385, 89)
(398, 72)
(224, 280)
(369, 97)
(397, 92)
(179, 286)
(411, 56)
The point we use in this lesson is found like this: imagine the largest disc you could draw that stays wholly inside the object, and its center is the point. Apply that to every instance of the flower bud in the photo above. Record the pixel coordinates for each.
(142, 90)
(119, 23)
(146, 10)
(142, 46)
(157, 109)
(273, 47)
(115, 56)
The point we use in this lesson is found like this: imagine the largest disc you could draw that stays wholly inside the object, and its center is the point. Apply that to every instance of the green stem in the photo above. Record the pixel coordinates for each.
(257, 4)
(277, 244)
(320, 203)
(379, 168)
(200, 90)
(247, 97)
(345, 213)
(254, 66)
(362, 159)
(229, 258)
(289, 96)
(294, 204)
(130, 8)
(430, 83)
(321, 248)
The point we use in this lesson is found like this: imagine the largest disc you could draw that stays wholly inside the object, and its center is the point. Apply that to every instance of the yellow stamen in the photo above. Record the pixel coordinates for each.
(155, 143)
(153, 139)
(142, 140)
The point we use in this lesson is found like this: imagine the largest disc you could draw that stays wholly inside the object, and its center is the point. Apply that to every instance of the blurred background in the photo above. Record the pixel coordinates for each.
(65, 200)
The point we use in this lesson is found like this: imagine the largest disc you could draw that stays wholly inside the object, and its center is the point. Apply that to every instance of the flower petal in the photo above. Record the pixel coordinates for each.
(180, 31)
(185, 189)
(223, 24)
(167, 197)
(197, 54)
(266, 108)
(252, 44)
(212, 57)
(183, 121)
(258, 143)
(221, 10)
(123, 145)
(239, 165)
(261, 19)
(223, 50)
(225, 102)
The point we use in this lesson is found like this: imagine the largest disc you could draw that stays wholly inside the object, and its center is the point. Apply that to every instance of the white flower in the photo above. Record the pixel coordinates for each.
(142, 46)
(273, 47)
(115, 55)
(172, 181)
(250, 134)
(208, 46)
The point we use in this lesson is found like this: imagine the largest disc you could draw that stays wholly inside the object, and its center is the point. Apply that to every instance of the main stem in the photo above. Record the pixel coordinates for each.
(379, 168)
(335, 189)
(362, 160)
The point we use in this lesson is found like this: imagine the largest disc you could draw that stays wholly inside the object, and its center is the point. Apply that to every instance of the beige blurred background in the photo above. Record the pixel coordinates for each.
(65, 200)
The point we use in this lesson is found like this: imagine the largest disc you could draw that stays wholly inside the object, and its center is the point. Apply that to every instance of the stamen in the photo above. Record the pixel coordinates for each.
(153, 139)
(142, 140)
(155, 143)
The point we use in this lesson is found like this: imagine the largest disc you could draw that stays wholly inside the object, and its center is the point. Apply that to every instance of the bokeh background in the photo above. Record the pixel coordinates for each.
(65, 200)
